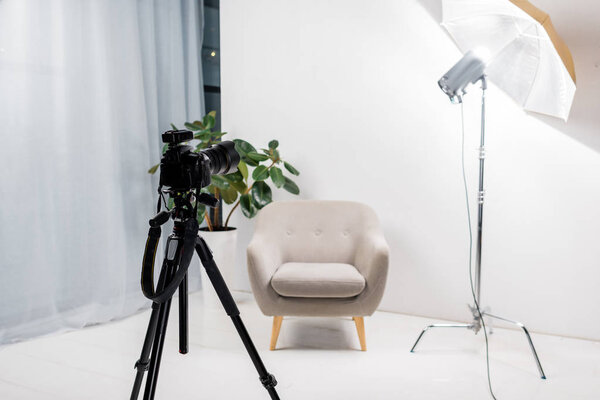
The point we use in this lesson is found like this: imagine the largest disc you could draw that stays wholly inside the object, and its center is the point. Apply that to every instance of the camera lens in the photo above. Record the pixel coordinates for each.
(223, 158)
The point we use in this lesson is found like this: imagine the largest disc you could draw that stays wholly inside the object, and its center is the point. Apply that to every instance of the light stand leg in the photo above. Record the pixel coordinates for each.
(526, 332)
(267, 380)
(428, 327)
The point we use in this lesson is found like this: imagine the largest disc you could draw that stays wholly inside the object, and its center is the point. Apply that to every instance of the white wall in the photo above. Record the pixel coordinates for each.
(349, 89)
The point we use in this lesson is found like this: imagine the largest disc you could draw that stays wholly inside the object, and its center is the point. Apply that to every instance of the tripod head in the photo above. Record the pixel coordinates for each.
(183, 208)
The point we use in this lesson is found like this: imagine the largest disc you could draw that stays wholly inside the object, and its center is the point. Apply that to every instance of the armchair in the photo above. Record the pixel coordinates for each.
(318, 258)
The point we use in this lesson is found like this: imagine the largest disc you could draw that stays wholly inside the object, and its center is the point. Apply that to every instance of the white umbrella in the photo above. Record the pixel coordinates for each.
(529, 61)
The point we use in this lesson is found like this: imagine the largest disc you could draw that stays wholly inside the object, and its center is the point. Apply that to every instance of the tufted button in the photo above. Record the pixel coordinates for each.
(345, 233)
(318, 232)
(288, 232)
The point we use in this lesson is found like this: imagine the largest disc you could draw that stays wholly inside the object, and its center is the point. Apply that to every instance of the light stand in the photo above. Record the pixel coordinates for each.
(476, 324)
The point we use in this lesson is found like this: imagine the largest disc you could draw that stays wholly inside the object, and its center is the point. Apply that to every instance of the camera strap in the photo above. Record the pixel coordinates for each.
(189, 245)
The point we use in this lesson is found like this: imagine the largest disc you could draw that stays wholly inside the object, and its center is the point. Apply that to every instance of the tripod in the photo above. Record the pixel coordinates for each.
(179, 251)
(476, 325)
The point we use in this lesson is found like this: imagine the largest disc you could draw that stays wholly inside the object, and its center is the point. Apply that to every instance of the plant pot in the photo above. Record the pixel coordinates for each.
(223, 246)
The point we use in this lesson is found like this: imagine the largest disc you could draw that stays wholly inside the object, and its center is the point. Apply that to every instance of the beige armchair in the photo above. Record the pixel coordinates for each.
(318, 258)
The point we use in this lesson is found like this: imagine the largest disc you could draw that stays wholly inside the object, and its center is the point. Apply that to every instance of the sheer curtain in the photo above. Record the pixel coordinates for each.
(86, 88)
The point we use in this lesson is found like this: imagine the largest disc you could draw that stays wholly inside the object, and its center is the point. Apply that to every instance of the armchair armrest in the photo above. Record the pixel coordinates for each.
(372, 253)
(263, 260)
(372, 261)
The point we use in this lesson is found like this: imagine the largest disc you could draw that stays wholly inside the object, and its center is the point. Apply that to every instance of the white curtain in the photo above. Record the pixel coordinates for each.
(86, 88)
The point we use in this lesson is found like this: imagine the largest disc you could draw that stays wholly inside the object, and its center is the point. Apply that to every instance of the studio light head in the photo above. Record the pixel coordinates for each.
(468, 69)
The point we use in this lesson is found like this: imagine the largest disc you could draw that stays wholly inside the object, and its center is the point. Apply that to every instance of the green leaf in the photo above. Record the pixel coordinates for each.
(209, 120)
(243, 147)
(239, 186)
(193, 127)
(275, 155)
(277, 177)
(165, 148)
(229, 196)
(204, 137)
(257, 156)
(261, 194)
(260, 173)
(219, 182)
(153, 169)
(199, 123)
(249, 161)
(213, 114)
(174, 127)
(290, 186)
(248, 207)
(273, 144)
(243, 168)
(291, 168)
(217, 135)
(234, 177)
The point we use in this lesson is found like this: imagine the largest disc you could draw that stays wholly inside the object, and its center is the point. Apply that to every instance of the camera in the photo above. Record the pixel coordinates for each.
(182, 169)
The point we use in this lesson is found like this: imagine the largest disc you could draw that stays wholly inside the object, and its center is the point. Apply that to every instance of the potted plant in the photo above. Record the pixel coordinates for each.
(248, 189)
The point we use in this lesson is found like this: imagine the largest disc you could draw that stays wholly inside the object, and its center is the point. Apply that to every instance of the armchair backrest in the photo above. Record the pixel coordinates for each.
(315, 230)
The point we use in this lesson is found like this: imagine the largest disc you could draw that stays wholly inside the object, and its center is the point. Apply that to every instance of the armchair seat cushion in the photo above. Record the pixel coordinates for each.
(322, 280)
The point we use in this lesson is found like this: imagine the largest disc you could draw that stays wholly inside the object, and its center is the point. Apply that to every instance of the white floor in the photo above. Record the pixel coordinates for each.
(317, 358)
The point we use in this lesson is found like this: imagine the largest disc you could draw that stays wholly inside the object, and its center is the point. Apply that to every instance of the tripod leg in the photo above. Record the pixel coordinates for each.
(231, 309)
(159, 341)
(183, 316)
(142, 364)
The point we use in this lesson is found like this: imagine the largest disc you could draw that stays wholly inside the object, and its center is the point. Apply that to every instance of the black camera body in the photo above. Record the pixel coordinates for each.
(182, 169)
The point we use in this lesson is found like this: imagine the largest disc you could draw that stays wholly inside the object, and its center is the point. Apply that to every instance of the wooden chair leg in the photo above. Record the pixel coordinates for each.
(360, 328)
(277, 320)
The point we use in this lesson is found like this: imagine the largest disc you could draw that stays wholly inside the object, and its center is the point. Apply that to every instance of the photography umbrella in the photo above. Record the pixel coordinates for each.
(529, 61)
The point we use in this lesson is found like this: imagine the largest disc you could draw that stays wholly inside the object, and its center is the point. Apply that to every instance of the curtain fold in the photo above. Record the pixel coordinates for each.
(86, 89)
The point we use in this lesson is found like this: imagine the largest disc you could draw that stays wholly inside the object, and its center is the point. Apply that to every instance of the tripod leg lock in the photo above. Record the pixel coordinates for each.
(142, 364)
(269, 381)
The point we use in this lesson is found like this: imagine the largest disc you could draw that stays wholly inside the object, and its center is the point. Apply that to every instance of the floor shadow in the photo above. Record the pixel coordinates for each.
(318, 333)
(584, 119)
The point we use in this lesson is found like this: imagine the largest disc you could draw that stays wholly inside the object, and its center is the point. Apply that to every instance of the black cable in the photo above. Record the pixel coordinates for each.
(487, 353)
(164, 200)
(159, 198)
(196, 196)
